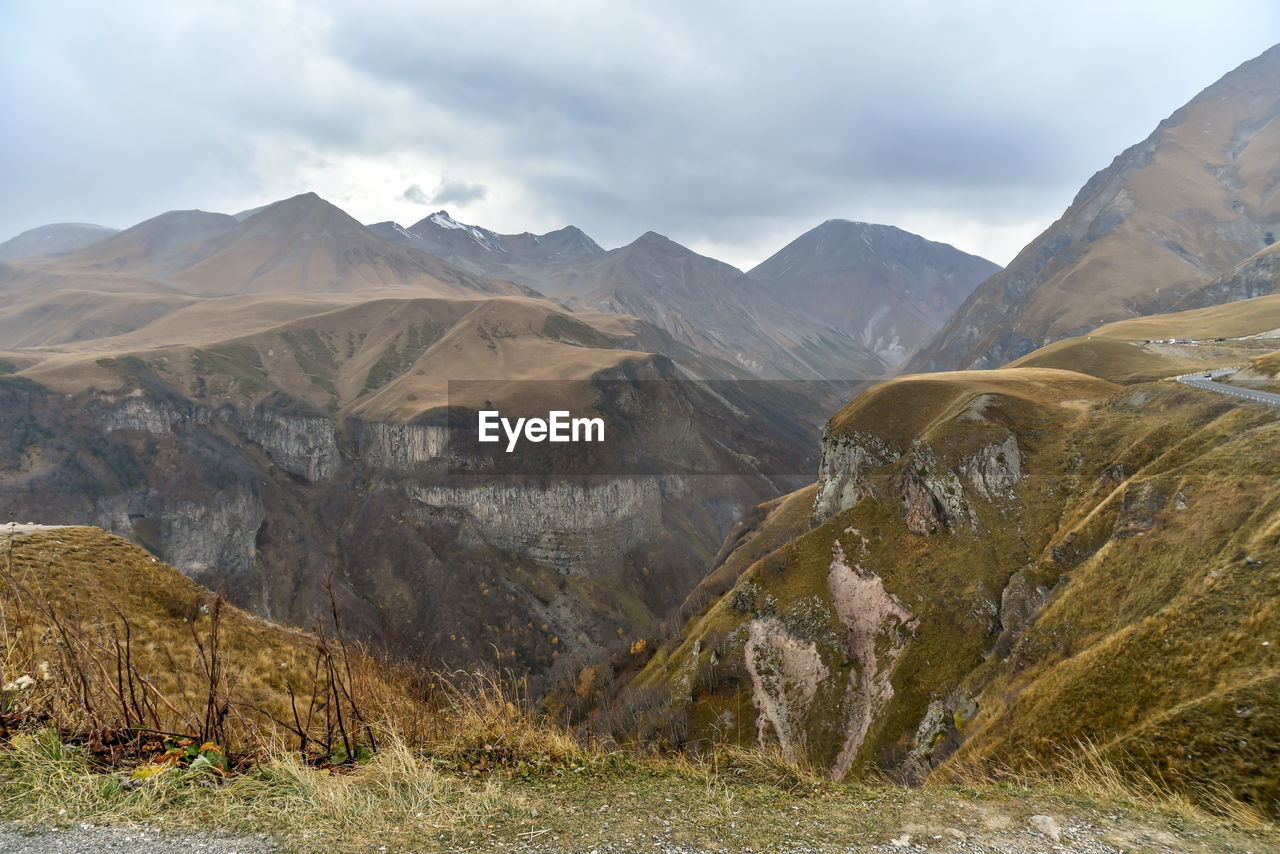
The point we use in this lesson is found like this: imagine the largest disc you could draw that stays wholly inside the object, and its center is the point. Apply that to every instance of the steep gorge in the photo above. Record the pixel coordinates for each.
(263, 501)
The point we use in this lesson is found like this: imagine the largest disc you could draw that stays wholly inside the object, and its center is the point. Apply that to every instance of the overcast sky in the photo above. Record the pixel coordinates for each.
(729, 125)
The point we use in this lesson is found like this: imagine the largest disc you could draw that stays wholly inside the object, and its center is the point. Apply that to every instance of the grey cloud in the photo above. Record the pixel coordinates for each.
(457, 193)
(729, 119)
(414, 193)
(717, 121)
(447, 193)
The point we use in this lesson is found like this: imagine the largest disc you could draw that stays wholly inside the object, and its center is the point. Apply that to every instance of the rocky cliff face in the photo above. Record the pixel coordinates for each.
(845, 472)
(1256, 276)
(304, 445)
(399, 447)
(570, 527)
(932, 494)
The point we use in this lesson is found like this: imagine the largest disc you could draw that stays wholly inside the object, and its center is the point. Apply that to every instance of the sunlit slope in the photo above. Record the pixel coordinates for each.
(381, 358)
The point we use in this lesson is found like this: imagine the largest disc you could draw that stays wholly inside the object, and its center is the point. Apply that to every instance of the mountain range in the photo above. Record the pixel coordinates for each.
(885, 288)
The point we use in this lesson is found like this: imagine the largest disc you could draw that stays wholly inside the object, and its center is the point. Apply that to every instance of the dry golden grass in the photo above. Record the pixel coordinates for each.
(732, 800)
(1090, 771)
(1119, 351)
(100, 639)
(387, 356)
(905, 407)
(1232, 319)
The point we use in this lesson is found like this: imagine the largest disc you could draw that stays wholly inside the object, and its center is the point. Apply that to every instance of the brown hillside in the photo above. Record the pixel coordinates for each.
(1170, 214)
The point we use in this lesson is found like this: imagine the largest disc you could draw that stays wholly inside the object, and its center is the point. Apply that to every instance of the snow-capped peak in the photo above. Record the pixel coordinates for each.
(481, 236)
(442, 219)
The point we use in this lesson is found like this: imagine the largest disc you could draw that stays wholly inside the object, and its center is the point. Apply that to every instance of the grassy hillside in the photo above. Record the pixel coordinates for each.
(457, 763)
(1136, 350)
(1261, 372)
(103, 641)
(380, 358)
(1005, 570)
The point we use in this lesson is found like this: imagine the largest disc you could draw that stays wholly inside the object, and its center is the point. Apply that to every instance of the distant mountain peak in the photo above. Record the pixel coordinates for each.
(53, 239)
(303, 214)
(486, 252)
(857, 225)
(571, 240)
(658, 241)
(304, 200)
(442, 219)
(887, 287)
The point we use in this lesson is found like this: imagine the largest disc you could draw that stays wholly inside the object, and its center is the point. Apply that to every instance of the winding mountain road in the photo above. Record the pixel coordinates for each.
(1207, 380)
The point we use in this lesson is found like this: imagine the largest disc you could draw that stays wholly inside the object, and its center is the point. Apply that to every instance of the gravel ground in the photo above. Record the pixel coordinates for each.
(1041, 835)
(87, 839)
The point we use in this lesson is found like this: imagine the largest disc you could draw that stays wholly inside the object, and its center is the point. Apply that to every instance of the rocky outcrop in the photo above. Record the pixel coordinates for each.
(994, 471)
(397, 447)
(137, 411)
(938, 733)
(213, 537)
(1020, 600)
(301, 444)
(846, 470)
(933, 495)
(205, 536)
(571, 527)
(1138, 508)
